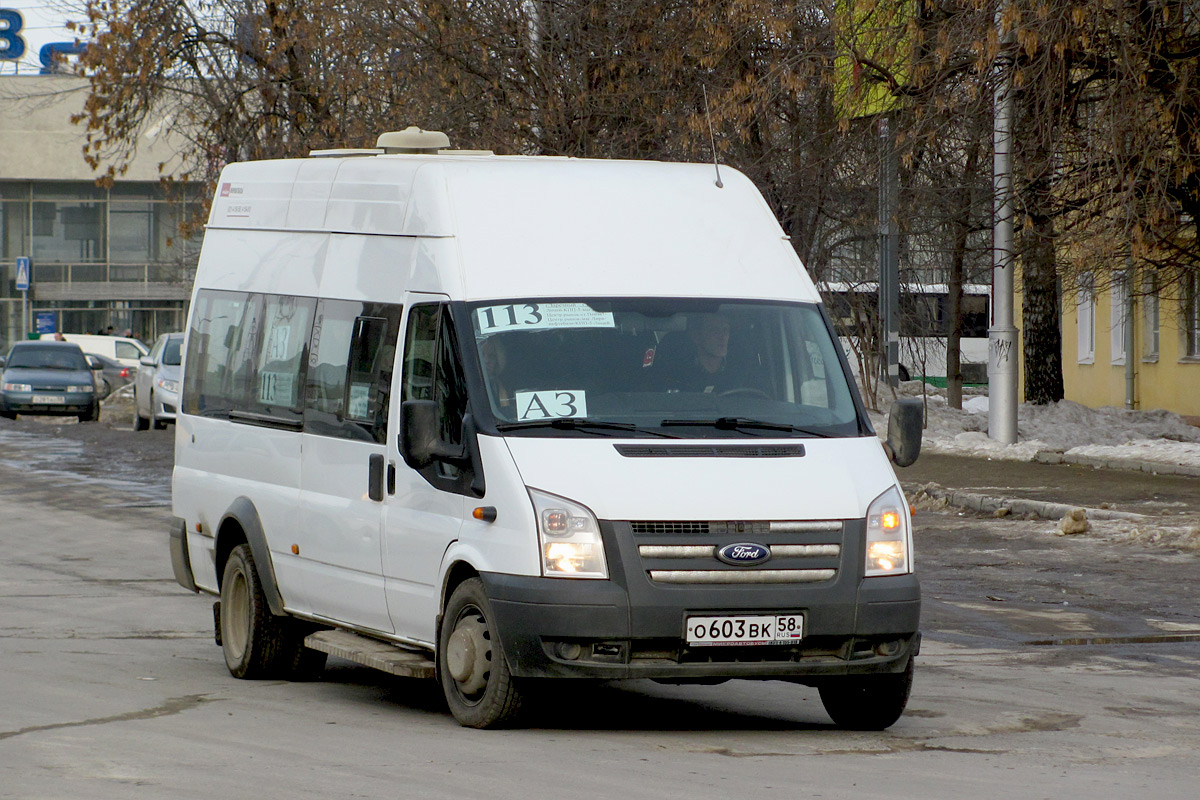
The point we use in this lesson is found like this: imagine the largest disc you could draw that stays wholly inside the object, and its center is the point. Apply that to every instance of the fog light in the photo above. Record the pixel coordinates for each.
(569, 651)
(887, 648)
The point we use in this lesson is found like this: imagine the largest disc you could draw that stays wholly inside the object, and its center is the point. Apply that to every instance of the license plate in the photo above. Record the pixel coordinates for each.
(772, 629)
(49, 399)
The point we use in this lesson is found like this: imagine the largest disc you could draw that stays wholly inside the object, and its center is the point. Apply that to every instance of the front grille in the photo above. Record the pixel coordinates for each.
(743, 576)
(669, 528)
(686, 551)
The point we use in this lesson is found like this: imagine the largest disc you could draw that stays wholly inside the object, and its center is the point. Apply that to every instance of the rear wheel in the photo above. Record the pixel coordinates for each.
(479, 688)
(258, 644)
(93, 415)
(867, 702)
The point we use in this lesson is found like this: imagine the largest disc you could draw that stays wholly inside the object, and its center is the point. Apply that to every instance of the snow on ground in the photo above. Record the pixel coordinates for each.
(1065, 427)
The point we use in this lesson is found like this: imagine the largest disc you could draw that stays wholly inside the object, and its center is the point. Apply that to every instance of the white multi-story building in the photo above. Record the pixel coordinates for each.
(100, 257)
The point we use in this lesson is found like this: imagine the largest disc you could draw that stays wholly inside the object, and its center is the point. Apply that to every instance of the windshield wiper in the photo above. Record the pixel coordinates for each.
(578, 424)
(735, 423)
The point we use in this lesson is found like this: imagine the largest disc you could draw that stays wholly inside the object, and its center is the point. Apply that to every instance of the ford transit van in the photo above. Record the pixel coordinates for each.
(498, 419)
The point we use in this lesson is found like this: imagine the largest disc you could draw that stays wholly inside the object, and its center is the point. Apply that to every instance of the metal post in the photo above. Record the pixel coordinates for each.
(24, 314)
(889, 271)
(1002, 335)
(1130, 315)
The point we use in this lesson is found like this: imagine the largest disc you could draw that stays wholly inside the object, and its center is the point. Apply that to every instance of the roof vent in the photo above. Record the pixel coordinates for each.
(412, 140)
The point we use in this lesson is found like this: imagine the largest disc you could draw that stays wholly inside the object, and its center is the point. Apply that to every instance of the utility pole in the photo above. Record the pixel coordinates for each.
(889, 254)
(1002, 335)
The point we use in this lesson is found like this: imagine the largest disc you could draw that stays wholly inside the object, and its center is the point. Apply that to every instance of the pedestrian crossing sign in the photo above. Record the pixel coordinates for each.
(23, 274)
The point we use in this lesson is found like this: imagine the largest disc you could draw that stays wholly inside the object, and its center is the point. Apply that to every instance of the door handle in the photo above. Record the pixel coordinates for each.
(375, 477)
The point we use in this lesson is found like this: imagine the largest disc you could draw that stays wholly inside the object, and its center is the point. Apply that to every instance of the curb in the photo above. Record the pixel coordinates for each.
(1099, 462)
(1038, 508)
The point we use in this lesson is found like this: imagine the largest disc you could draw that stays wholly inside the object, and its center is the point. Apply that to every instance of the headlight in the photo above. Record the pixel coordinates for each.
(568, 538)
(87, 388)
(17, 387)
(889, 537)
(168, 385)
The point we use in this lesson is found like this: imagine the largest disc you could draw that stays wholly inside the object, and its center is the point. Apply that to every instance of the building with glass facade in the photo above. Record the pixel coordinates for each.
(99, 257)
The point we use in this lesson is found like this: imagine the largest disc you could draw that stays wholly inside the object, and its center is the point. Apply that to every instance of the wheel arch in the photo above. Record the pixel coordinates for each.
(241, 524)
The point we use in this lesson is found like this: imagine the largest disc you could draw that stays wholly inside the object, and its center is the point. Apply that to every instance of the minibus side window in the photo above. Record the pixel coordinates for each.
(218, 364)
(281, 347)
(350, 369)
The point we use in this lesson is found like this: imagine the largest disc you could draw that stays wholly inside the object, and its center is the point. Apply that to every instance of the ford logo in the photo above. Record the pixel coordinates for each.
(744, 554)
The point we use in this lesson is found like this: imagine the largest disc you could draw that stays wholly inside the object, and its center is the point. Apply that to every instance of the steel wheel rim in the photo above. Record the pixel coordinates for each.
(237, 624)
(473, 612)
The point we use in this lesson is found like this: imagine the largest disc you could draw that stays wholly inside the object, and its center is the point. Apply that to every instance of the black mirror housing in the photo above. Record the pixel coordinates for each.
(420, 444)
(905, 424)
(418, 432)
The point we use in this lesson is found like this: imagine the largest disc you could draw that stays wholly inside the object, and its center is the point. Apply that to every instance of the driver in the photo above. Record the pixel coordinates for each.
(706, 369)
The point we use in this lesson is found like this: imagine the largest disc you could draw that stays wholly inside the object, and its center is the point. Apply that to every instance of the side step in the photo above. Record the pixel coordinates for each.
(373, 653)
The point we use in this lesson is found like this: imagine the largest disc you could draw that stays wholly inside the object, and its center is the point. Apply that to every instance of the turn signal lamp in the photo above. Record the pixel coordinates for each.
(889, 538)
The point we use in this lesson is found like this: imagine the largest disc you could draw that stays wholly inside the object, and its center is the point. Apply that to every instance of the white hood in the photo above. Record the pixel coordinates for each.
(835, 479)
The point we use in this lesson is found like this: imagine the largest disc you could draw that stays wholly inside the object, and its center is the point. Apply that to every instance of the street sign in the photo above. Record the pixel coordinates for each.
(45, 321)
(23, 270)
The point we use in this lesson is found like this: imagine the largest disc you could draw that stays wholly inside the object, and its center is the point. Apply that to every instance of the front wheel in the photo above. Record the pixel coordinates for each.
(479, 688)
(867, 702)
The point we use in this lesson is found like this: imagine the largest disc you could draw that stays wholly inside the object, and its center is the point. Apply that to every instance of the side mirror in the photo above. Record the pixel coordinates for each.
(420, 444)
(94, 364)
(146, 361)
(2, 361)
(905, 423)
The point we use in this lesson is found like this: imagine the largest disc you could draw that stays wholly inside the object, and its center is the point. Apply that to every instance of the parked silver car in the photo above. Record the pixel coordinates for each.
(156, 389)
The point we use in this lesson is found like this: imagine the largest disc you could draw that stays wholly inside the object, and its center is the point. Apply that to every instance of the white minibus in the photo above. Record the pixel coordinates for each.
(502, 419)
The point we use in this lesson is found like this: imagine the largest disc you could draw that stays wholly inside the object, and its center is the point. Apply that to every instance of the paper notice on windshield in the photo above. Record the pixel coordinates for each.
(533, 316)
(552, 404)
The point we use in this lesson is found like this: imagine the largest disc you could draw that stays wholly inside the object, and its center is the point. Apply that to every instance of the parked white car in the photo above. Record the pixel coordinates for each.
(156, 390)
(122, 348)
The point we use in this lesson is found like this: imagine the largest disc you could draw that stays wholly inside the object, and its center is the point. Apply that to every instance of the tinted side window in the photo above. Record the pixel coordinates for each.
(246, 354)
(223, 324)
(433, 370)
(350, 369)
(281, 349)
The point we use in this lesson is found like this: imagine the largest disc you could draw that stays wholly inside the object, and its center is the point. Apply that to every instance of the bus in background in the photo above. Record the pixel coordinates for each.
(924, 326)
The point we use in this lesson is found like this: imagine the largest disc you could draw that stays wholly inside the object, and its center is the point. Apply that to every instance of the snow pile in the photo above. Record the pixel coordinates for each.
(1065, 427)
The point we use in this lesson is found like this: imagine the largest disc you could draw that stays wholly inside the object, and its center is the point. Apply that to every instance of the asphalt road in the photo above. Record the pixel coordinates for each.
(1052, 667)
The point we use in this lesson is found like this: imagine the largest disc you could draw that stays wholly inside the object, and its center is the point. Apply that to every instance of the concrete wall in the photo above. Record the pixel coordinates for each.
(39, 142)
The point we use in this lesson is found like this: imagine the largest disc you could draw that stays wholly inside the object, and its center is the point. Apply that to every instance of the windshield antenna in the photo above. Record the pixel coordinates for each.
(712, 140)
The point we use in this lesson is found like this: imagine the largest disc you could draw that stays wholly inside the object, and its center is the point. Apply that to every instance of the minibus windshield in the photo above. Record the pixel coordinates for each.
(668, 367)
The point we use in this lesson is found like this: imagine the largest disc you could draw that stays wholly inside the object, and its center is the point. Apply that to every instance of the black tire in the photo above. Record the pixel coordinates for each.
(475, 678)
(867, 702)
(905, 375)
(140, 423)
(8, 415)
(93, 415)
(256, 643)
(155, 422)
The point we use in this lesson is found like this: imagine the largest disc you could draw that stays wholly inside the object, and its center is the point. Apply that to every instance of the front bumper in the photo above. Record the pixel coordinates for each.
(73, 403)
(167, 404)
(632, 627)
